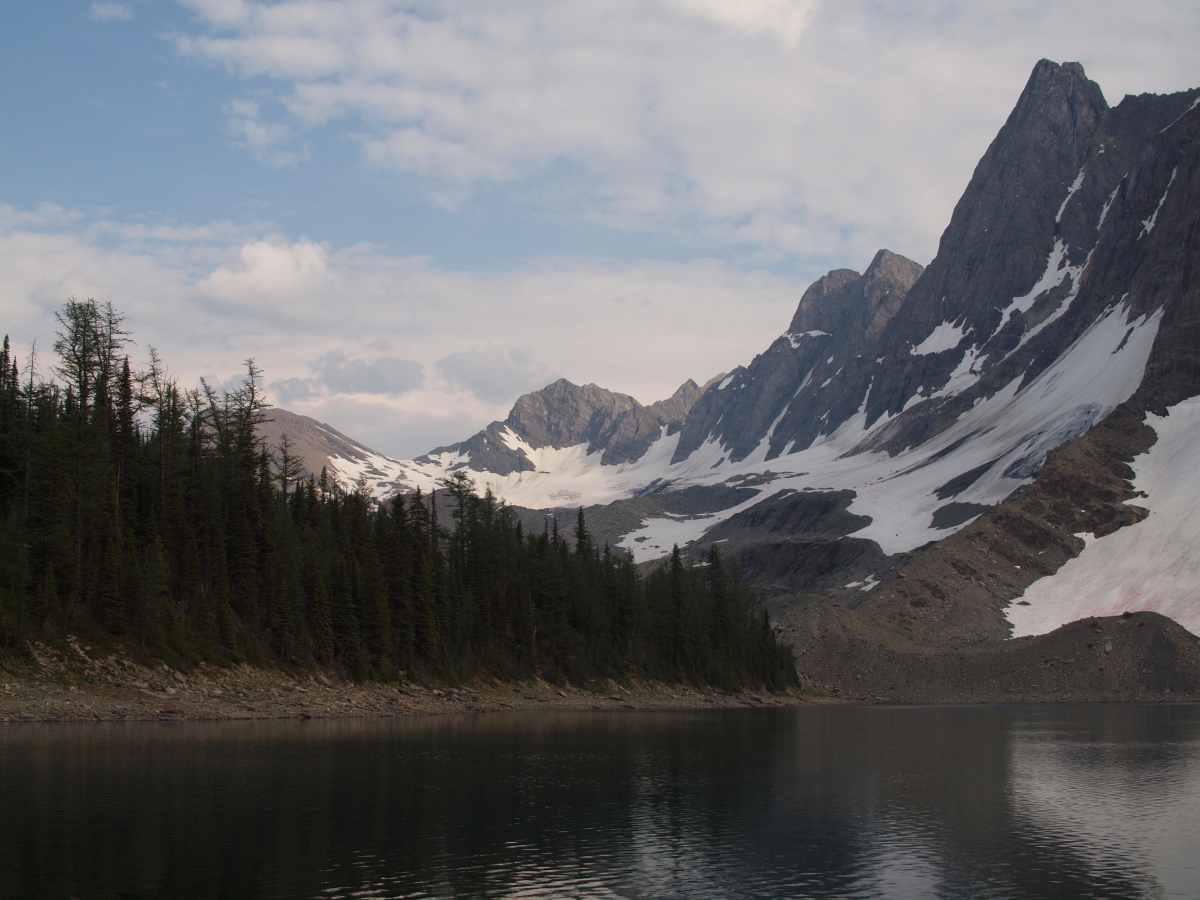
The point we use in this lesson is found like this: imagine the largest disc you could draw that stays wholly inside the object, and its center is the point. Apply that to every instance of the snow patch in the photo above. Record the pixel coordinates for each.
(379, 473)
(794, 338)
(1062, 428)
(1056, 270)
(945, 337)
(1195, 103)
(1108, 203)
(1070, 193)
(1013, 428)
(656, 537)
(724, 384)
(1148, 224)
(1153, 565)
(1076, 274)
(964, 375)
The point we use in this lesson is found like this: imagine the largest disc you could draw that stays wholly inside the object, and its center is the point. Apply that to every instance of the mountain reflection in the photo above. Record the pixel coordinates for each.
(888, 802)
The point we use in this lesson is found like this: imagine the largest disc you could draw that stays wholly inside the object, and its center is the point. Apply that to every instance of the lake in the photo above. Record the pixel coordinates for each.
(944, 802)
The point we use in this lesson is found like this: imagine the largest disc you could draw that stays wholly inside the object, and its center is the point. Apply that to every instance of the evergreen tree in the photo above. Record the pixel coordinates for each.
(159, 514)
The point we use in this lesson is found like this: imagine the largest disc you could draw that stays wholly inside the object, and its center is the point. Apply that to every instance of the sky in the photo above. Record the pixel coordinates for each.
(409, 213)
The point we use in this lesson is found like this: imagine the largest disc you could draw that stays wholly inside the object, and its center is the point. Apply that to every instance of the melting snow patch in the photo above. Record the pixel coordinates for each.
(1153, 565)
(1148, 224)
(1054, 433)
(1195, 103)
(1107, 204)
(794, 339)
(964, 375)
(945, 337)
(1070, 193)
(1064, 304)
(1008, 431)
(1056, 270)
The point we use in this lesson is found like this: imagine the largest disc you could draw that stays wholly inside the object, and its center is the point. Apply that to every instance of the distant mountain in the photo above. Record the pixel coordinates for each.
(903, 406)
(615, 428)
(808, 382)
(564, 424)
(318, 446)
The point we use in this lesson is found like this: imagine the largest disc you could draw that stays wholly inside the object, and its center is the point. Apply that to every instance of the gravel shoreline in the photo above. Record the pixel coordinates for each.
(1140, 657)
(74, 684)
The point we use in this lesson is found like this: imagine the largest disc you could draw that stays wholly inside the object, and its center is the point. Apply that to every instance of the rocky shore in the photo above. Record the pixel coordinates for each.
(1137, 657)
(76, 683)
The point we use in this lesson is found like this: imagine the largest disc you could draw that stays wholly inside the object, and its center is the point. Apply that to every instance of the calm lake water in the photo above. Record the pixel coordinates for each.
(965, 802)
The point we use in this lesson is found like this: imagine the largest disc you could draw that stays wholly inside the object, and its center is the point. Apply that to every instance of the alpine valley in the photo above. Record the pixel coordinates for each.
(930, 461)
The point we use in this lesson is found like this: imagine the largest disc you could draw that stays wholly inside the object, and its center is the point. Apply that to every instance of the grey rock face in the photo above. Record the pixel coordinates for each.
(314, 444)
(1019, 208)
(789, 390)
(1107, 202)
(1074, 207)
(1064, 190)
(565, 415)
(809, 515)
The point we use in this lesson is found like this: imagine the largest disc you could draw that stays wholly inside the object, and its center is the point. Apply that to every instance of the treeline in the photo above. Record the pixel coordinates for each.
(134, 507)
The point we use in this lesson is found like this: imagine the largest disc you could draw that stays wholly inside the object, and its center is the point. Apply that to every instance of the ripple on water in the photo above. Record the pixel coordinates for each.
(1089, 802)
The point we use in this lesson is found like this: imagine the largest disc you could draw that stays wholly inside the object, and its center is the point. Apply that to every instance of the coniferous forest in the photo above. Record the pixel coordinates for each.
(133, 507)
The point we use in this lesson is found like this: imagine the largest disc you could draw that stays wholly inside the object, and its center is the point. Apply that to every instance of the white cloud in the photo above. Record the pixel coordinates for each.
(263, 139)
(790, 129)
(107, 12)
(787, 19)
(336, 373)
(494, 376)
(271, 278)
(782, 125)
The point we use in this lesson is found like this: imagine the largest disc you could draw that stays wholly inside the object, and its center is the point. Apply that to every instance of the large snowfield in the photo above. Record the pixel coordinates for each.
(1012, 430)
(1153, 565)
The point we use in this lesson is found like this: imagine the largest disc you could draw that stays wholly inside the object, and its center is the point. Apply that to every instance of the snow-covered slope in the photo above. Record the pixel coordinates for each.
(1002, 439)
(1152, 565)
(1000, 442)
(1061, 289)
(316, 446)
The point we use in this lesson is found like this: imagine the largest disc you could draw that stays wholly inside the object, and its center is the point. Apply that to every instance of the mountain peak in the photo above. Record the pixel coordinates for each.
(844, 300)
(675, 408)
(563, 414)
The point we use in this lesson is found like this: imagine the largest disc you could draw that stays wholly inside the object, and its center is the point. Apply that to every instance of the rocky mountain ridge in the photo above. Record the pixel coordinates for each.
(869, 457)
(563, 415)
(1011, 287)
(315, 446)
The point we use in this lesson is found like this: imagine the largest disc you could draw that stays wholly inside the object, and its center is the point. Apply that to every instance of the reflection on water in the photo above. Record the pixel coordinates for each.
(891, 803)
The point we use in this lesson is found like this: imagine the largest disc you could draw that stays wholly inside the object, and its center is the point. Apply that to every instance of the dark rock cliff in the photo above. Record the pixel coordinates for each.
(839, 319)
(1111, 197)
(1048, 235)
